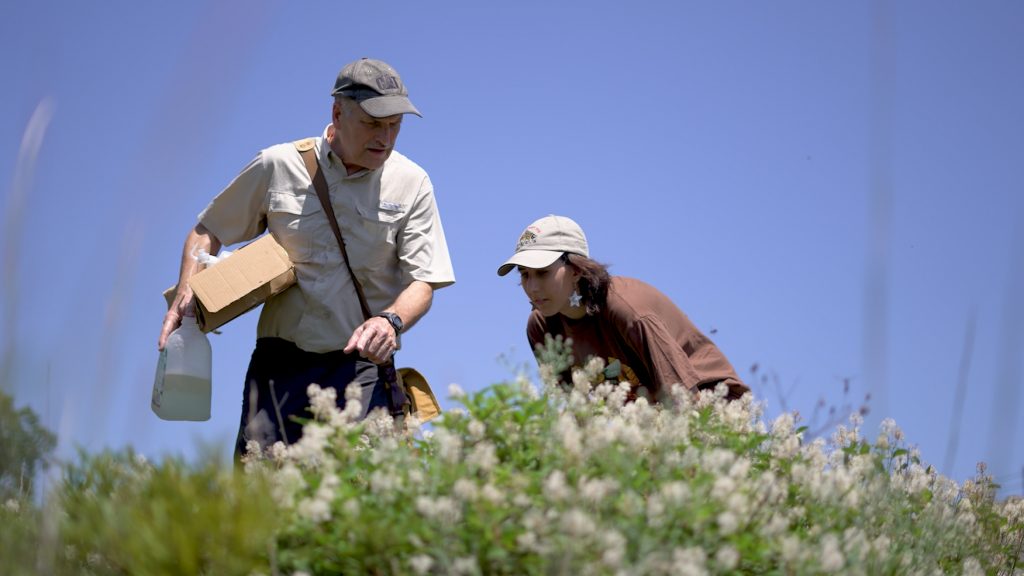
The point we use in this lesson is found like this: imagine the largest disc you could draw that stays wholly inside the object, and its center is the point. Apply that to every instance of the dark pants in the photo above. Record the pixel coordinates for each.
(275, 389)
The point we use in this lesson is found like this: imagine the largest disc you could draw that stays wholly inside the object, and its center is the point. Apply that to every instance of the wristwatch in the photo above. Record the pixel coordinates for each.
(394, 320)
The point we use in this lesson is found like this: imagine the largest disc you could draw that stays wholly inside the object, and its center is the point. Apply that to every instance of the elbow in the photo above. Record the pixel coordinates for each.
(428, 296)
(204, 233)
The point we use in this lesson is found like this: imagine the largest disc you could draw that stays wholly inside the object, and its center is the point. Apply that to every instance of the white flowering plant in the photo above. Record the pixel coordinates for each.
(560, 478)
(572, 479)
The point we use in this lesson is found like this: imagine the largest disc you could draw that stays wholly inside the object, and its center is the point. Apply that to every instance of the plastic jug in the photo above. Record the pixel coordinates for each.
(182, 387)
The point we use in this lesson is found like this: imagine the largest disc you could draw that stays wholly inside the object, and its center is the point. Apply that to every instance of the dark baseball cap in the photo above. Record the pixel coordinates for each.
(376, 86)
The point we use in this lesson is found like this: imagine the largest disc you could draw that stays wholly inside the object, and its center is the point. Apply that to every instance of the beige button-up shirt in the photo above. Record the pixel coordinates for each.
(389, 221)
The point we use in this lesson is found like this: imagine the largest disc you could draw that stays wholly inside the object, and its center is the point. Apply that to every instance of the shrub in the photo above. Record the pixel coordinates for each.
(122, 515)
(519, 482)
(24, 446)
(526, 481)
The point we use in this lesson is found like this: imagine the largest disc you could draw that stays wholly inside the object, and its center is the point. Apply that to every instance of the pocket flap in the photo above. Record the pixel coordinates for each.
(289, 203)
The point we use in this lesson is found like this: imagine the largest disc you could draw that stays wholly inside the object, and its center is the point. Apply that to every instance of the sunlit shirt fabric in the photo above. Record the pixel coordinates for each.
(388, 218)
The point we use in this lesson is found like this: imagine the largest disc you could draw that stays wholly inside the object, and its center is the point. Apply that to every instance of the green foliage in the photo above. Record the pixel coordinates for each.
(24, 446)
(20, 536)
(122, 515)
(566, 480)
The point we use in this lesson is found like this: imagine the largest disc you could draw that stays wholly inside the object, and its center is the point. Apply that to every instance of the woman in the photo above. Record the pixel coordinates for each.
(643, 337)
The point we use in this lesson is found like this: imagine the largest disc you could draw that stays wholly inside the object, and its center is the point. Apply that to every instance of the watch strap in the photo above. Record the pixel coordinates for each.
(394, 319)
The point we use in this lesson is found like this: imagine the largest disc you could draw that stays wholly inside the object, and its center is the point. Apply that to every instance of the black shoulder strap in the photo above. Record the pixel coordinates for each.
(308, 154)
(398, 402)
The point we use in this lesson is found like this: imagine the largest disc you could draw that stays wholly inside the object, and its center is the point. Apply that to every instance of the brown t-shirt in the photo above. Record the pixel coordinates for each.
(654, 342)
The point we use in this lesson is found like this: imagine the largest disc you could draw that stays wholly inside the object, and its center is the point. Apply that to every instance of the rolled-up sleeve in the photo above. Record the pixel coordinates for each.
(669, 363)
(666, 362)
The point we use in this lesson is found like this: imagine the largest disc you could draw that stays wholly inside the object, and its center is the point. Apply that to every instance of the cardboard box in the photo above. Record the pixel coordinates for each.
(240, 282)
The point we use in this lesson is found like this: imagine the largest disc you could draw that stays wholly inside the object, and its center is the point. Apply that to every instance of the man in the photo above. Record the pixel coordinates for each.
(315, 332)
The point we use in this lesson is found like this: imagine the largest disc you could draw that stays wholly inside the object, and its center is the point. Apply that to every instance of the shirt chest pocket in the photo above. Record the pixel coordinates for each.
(378, 230)
(296, 220)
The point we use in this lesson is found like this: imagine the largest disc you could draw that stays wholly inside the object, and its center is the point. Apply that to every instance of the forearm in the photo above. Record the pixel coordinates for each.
(199, 238)
(412, 303)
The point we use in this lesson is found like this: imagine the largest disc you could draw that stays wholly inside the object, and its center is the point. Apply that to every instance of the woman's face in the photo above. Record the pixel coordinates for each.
(549, 288)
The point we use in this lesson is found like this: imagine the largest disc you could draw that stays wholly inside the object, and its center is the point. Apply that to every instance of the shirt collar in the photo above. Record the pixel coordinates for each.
(333, 161)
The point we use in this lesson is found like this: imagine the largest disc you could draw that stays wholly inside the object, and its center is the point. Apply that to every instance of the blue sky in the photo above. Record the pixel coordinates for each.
(833, 191)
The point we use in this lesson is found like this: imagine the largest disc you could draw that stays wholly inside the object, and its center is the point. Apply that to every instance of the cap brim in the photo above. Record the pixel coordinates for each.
(530, 259)
(384, 106)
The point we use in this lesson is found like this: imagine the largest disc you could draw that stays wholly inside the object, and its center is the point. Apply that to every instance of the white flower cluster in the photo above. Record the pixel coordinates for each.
(316, 455)
(582, 481)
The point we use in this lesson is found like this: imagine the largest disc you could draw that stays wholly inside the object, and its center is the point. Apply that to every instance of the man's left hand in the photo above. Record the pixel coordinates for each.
(374, 340)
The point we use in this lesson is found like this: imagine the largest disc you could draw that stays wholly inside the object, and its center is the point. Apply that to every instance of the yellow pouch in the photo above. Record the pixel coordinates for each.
(417, 389)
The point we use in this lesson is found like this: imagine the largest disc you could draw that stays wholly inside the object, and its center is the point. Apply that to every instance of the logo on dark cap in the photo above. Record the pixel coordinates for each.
(387, 82)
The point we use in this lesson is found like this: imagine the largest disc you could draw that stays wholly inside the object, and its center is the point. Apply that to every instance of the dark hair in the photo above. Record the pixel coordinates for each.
(593, 282)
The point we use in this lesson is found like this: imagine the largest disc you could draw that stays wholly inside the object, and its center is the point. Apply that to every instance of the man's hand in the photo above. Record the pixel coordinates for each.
(374, 340)
(182, 306)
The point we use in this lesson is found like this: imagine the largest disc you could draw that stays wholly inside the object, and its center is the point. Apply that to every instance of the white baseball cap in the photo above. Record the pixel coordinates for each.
(545, 241)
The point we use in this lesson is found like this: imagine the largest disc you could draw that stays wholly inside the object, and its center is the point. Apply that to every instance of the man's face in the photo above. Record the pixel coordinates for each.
(363, 141)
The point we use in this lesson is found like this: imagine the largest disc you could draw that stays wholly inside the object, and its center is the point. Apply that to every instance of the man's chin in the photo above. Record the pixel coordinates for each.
(377, 157)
